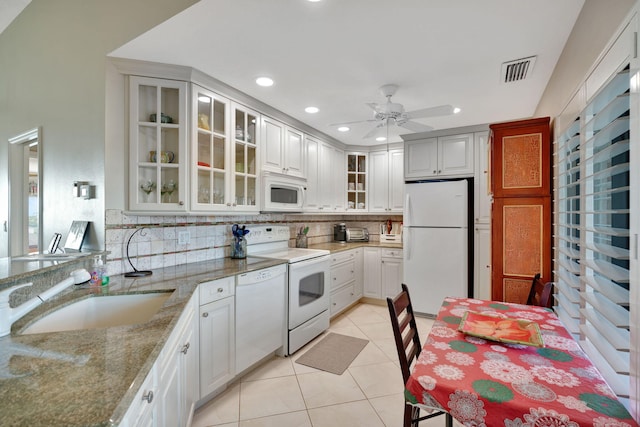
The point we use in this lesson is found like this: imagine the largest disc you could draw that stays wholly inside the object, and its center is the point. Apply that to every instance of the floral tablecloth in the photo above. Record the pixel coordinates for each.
(487, 383)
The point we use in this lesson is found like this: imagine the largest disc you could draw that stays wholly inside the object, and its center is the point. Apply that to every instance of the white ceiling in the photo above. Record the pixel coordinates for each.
(335, 54)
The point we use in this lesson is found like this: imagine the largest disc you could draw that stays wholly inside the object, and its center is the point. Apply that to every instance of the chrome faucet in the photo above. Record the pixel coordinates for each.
(9, 315)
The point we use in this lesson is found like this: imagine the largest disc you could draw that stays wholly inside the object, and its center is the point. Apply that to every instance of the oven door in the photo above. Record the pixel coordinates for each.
(308, 289)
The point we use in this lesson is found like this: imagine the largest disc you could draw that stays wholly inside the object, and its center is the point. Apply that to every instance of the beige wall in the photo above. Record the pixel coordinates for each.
(52, 74)
(596, 24)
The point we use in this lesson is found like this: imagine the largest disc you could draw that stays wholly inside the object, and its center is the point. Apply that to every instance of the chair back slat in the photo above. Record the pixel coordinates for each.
(405, 330)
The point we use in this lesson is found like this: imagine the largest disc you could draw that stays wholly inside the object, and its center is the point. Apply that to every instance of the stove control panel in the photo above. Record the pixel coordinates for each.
(267, 233)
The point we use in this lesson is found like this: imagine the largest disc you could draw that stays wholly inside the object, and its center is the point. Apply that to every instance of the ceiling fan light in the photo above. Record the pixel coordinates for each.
(264, 81)
(311, 110)
(456, 110)
(344, 129)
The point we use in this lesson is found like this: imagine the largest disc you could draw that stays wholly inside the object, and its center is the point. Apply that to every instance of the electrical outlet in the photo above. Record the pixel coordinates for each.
(184, 237)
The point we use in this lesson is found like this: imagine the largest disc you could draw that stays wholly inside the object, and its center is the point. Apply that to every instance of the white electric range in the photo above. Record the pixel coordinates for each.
(308, 283)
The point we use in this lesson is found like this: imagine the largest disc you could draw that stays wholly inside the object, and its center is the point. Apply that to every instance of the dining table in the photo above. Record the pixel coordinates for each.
(483, 381)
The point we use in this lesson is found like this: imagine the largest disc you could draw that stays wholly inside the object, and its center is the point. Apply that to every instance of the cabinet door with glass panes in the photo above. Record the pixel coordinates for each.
(357, 182)
(245, 125)
(157, 144)
(211, 156)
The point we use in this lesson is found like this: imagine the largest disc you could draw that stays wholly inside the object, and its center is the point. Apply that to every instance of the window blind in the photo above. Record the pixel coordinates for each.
(592, 230)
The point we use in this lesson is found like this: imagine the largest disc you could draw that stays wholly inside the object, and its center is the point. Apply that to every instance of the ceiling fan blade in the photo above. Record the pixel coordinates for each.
(415, 127)
(375, 107)
(373, 132)
(441, 110)
(354, 122)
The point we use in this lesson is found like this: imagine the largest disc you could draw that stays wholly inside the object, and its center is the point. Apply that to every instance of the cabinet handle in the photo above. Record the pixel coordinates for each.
(220, 290)
(205, 314)
(185, 348)
(148, 397)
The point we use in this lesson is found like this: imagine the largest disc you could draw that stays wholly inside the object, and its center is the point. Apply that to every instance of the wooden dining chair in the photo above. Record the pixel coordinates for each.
(405, 333)
(540, 293)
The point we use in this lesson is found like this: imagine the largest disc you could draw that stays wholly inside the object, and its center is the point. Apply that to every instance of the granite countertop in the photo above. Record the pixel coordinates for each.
(16, 269)
(90, 377)
(345, 246)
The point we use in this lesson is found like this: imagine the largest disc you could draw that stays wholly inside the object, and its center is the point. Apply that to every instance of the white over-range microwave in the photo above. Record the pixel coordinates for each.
(282, 193)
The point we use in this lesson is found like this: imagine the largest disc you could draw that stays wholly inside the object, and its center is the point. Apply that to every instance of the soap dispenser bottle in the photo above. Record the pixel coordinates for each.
(96, 271)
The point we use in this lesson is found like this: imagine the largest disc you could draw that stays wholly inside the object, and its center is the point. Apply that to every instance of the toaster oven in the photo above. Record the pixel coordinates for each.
(357, 235)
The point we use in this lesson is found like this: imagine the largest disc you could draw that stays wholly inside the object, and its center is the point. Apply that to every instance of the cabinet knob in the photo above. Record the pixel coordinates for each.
(205, 314)
(439, 171)
(185, 348)
(434, 171)
(228, 203)
(148, 396)
(181, 203)
(220, 290)
(234, 204)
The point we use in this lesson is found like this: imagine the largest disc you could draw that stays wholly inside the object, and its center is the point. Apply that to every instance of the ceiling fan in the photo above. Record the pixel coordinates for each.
(393, 113)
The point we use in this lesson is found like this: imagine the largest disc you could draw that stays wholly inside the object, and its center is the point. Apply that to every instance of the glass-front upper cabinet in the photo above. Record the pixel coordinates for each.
(245, 128)
(157, 144)
(357, 181)
(210, 151)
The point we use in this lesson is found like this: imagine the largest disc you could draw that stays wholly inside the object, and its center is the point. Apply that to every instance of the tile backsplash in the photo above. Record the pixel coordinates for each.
(157, 244)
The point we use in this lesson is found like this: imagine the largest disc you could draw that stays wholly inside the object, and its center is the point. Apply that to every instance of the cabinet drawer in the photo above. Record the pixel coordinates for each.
(216, 289)
(391, 253)
(341, 299)
(342, 274)
(341, 257)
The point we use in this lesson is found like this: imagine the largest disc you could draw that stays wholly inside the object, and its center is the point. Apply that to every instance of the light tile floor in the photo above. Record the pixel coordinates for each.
(282, 393)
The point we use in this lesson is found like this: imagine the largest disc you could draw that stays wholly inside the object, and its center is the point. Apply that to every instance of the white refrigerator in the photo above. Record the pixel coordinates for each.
(436, 242)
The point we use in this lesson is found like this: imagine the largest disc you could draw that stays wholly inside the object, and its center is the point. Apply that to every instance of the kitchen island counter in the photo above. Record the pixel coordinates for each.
(90, 377)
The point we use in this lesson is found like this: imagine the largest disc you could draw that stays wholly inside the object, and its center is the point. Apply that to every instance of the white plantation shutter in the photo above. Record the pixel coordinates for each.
(592, 230)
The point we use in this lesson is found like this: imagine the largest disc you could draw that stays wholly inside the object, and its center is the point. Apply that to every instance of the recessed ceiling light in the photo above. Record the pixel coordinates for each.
(311, 110)
(344, 129)
(456, 110)
(313, 1)
(264, 81)
(381, 138)
(204, 99)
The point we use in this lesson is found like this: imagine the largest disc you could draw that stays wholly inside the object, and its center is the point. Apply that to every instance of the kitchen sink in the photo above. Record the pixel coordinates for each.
(101, 312)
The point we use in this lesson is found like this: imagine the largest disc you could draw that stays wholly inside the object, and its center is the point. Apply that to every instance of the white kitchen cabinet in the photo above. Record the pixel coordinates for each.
(372, 279)
(312, 159)
(167, 395)
(482, 204)
(224, 166)
(386, 181)
(343, 277)
(482, 262)
(441, 156)
(391, 271)
(357, 182)
(177, 379)
(283, 148)
(244, 157)
(217, 334)
(358, 286)
(157, 145)
(331, 183)
(141, 411)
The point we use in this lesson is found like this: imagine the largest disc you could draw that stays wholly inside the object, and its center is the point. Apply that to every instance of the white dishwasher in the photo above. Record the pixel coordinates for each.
(260, 314)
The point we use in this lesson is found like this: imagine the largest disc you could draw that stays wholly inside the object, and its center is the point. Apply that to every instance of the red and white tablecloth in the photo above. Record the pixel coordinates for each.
(486, 383)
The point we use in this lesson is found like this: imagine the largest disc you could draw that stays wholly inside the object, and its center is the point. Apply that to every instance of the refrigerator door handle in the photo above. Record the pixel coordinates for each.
(407, 209)
(407, 243)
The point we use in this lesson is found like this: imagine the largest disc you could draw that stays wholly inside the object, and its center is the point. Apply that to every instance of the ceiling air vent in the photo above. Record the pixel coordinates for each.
(519, 69)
